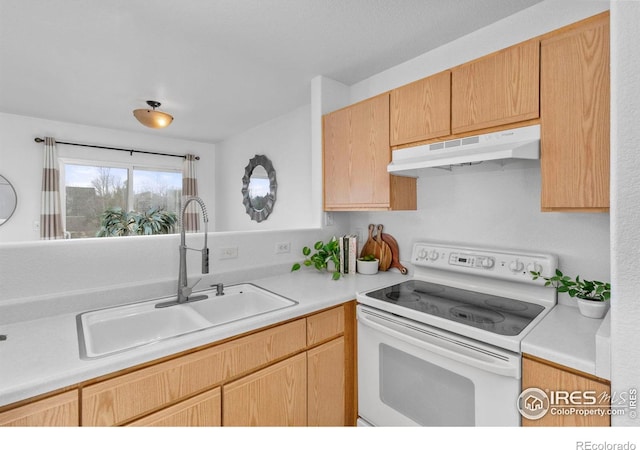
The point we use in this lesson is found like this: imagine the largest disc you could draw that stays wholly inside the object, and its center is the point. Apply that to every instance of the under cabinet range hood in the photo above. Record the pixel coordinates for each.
(517, 143)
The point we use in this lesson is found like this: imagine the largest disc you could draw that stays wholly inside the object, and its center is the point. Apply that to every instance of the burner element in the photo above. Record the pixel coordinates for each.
(476, 314)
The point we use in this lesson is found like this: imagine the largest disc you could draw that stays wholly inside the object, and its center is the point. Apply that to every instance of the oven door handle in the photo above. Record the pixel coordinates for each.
(452, 348)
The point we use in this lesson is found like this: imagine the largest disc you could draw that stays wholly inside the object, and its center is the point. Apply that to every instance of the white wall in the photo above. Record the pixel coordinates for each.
(286, 141)
(625, 214)
(21, 161)
(489, 205)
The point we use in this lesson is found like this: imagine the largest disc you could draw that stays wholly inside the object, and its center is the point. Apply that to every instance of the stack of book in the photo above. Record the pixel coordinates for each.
(348, 253)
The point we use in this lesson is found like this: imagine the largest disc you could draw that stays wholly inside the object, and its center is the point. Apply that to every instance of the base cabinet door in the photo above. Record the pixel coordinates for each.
(57, 411)
(567, 389)
(326, 384)
(203, 410)
(274, 396)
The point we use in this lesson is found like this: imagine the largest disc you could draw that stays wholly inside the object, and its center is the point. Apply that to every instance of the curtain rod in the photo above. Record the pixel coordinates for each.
(130, 151)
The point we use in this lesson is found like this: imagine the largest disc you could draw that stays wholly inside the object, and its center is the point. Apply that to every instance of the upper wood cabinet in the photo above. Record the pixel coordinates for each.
(497, 89)
(551, 377)
(355, 157)
(421, 110)
(574, 96)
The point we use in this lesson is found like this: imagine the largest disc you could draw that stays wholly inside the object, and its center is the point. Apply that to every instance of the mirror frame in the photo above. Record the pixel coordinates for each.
(15, 201)
(259, 215)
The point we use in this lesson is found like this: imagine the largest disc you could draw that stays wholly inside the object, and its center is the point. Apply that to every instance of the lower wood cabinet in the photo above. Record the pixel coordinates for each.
(567, 389)
(326, 383)
(294, 373)
(275, 396)
(203, 410)
(59, 410)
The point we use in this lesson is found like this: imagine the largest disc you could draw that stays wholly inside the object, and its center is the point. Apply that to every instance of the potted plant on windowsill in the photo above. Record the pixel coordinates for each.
(326, 257)
(592, 296)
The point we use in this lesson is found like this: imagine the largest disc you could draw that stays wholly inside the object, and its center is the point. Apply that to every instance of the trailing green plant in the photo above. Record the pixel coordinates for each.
(323, 254)
(598, 291)
(117, 222)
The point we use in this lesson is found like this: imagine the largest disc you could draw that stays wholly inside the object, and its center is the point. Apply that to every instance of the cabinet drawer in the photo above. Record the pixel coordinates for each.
(129, 396)
(203, 410)
(58, 411)
(325, 325)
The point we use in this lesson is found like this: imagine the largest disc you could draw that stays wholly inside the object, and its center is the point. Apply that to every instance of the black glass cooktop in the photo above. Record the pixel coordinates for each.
(500, 315)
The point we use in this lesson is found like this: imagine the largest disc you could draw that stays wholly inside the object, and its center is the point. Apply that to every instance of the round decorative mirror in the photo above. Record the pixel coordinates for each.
(8, 200)
(259, 188)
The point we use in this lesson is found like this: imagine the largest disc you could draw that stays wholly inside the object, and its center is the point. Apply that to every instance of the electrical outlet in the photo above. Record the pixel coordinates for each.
(228, 252)
(328, 219)
(283, 247)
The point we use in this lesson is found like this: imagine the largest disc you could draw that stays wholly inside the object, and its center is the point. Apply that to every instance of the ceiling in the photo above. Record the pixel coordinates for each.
(218, 66)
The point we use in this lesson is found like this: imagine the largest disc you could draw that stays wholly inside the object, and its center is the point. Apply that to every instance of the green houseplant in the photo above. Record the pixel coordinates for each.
(118, 222)
(593, 296)
(324, 253)
(367, 265)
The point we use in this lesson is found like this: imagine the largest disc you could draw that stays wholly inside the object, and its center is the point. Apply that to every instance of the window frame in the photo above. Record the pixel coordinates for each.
(131, 167)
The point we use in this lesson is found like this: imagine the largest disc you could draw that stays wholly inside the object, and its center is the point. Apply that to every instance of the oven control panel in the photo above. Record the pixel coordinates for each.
(505, 264)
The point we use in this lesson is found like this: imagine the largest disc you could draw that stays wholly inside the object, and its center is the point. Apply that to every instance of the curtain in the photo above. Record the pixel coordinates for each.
(50, 213)
(190, 189)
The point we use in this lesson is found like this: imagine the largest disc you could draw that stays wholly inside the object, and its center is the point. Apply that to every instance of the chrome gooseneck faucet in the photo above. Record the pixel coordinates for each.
(184, 290)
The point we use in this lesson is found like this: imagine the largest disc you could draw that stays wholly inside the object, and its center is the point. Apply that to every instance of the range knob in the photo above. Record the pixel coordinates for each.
(433, 255)
(516, 266)
(488, 263)
(534, 267)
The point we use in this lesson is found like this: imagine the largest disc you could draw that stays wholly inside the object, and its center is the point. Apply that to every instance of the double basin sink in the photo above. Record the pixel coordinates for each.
(113, 330)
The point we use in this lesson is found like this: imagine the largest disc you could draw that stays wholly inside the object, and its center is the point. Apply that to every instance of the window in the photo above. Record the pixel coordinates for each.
(109, 199)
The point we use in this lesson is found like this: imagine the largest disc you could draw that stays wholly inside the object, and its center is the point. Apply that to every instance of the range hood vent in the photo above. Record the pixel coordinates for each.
(517, 143)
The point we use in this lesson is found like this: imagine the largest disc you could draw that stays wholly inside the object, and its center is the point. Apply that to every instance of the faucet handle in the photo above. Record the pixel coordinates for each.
(187, 290)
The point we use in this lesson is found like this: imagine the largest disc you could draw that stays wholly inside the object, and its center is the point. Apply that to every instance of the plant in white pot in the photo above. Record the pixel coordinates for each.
(593, 296)
(367, 265)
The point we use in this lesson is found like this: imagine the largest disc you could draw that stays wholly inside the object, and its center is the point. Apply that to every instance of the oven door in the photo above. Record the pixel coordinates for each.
(411, 374)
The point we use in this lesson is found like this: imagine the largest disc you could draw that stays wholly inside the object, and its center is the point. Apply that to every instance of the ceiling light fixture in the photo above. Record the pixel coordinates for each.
(152, 118)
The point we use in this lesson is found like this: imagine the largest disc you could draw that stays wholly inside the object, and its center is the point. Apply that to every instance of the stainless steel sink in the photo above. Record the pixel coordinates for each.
(113, 330)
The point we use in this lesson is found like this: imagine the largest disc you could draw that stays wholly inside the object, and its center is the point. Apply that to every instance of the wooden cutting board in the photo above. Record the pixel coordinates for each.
(395, 253)
(383, 251)
(369, 247)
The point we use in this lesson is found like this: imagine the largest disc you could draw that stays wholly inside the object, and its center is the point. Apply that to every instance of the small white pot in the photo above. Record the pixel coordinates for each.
(367, 267)
(593, 309)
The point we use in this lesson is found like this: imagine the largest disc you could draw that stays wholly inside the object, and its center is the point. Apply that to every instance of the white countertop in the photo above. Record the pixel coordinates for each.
(42, 355)
(568, 338)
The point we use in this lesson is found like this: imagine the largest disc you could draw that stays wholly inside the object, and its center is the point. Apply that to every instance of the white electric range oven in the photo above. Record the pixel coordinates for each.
(443, 348)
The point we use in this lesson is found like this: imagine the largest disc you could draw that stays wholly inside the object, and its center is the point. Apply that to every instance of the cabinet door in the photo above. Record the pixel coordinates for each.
(203, 410)
(421, 110)
(356, 154)
(537, 374)
(497, 89)
(575, 91)
(326, 384)
(57, 411)
(274, 396)
(126, 397)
